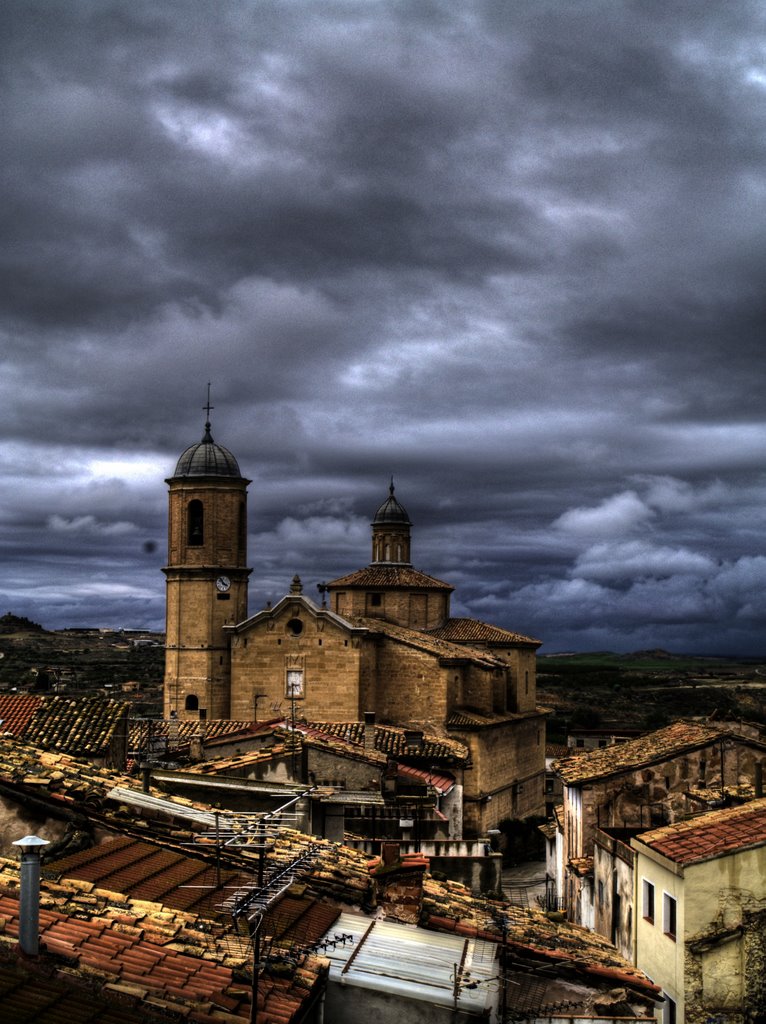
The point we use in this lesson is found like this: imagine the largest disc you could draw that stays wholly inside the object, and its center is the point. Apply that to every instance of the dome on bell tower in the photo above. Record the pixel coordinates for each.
(206, 458)
(391, 511)
(391, 532)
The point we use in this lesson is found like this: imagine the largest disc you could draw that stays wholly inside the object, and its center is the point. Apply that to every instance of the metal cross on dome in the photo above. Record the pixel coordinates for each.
(208, 407)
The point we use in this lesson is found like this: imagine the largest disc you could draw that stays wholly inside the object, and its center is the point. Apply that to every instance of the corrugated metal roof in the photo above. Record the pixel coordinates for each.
(145, 802)
(413, 962)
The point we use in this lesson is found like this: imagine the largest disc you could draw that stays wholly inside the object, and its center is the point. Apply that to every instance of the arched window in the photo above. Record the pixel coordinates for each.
(192, 703)
(195, 523)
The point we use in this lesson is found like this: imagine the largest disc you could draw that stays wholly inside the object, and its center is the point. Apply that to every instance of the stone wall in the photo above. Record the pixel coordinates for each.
(411, 688)
(656, 795)
(507, 780)
(328, 657)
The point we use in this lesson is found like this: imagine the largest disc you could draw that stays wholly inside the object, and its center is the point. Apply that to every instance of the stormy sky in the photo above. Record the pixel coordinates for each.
(511, 253)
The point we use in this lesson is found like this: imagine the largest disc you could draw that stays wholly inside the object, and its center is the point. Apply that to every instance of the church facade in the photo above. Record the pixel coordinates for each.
(382, 641)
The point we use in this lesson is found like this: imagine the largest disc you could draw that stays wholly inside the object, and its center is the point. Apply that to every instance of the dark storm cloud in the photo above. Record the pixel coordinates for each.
(511, 253)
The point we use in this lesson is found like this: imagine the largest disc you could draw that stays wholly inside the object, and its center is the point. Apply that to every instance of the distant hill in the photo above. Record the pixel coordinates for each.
(647, 689)
(10, 623)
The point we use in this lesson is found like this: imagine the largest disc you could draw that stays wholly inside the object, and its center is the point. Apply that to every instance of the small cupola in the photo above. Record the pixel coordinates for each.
(391, 532)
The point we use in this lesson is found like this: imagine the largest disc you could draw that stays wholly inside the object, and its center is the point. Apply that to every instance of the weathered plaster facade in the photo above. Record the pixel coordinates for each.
(613, 884)
(662, 777)
(710, 957)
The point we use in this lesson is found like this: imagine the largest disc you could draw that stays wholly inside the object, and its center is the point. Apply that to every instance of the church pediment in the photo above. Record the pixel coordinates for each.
(292, 613)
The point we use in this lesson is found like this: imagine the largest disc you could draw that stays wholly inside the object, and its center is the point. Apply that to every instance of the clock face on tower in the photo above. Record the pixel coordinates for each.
(223, 583)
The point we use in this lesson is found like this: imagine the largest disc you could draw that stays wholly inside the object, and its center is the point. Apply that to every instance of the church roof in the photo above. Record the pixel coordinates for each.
(206, 458)
(391, 511)
(427, 642)
(383, 576)
(474, 631)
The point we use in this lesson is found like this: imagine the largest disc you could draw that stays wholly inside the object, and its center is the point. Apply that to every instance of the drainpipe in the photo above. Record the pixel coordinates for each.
(29, 903)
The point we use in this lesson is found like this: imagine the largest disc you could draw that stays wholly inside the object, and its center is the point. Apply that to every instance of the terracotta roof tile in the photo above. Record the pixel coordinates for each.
(715, 834)
(431, 643)
(16, 710)
(183, 731)
(145, 871)
(149, 958)
(392, 741)
(29, 991)
(83, 726)
(655, 747)
(451, 907)
(384, 576)
(475, 631)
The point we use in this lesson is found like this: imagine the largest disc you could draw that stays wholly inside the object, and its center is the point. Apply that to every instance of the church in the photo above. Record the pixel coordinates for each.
(382, 641)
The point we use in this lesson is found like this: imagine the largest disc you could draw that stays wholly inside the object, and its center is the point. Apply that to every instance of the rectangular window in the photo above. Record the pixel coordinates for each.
(669, 916)
(647, 901)
(294, 682)
(669, 1011)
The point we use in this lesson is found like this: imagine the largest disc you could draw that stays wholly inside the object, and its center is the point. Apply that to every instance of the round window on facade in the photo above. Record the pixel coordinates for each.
(295, 627)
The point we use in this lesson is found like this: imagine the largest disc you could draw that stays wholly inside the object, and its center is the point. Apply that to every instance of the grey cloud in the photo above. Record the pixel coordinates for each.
(512, 254)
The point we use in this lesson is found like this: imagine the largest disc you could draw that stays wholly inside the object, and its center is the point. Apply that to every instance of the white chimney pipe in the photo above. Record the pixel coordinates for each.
(29, 904)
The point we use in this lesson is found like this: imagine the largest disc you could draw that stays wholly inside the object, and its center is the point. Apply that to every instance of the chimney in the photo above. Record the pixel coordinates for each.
(758, 783)
(369, 731)
(398, 881)
(29, 903)
(413, 740)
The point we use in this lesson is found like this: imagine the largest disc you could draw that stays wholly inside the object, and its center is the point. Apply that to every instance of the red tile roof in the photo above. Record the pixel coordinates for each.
(16, 710)
(449, 906)
(149, 872)
(30, 990)
(166, 957)
(86, 725)
(715, 834)
(186, 729)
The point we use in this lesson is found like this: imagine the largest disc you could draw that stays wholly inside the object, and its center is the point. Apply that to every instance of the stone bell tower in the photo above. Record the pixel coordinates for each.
(206, 574)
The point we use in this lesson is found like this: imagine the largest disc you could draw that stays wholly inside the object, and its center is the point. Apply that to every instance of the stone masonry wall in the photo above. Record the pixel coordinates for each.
(411, 688)
(328, 657)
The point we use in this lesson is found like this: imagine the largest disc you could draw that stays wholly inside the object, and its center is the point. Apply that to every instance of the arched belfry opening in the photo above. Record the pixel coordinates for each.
(195, 518)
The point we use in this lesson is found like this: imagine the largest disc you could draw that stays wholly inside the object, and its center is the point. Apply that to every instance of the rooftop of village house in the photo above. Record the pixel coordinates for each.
(151, 874)
(714, 834)
(654, 748)
(325, 737)
(83, 726)
(182, 731)
(164, 959)
(334, 872)
(391, 741)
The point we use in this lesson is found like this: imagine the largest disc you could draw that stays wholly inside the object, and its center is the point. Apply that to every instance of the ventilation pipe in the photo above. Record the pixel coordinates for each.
(29, 904)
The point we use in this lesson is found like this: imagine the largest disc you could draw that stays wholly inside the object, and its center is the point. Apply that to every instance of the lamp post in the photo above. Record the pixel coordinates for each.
(29, 903)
